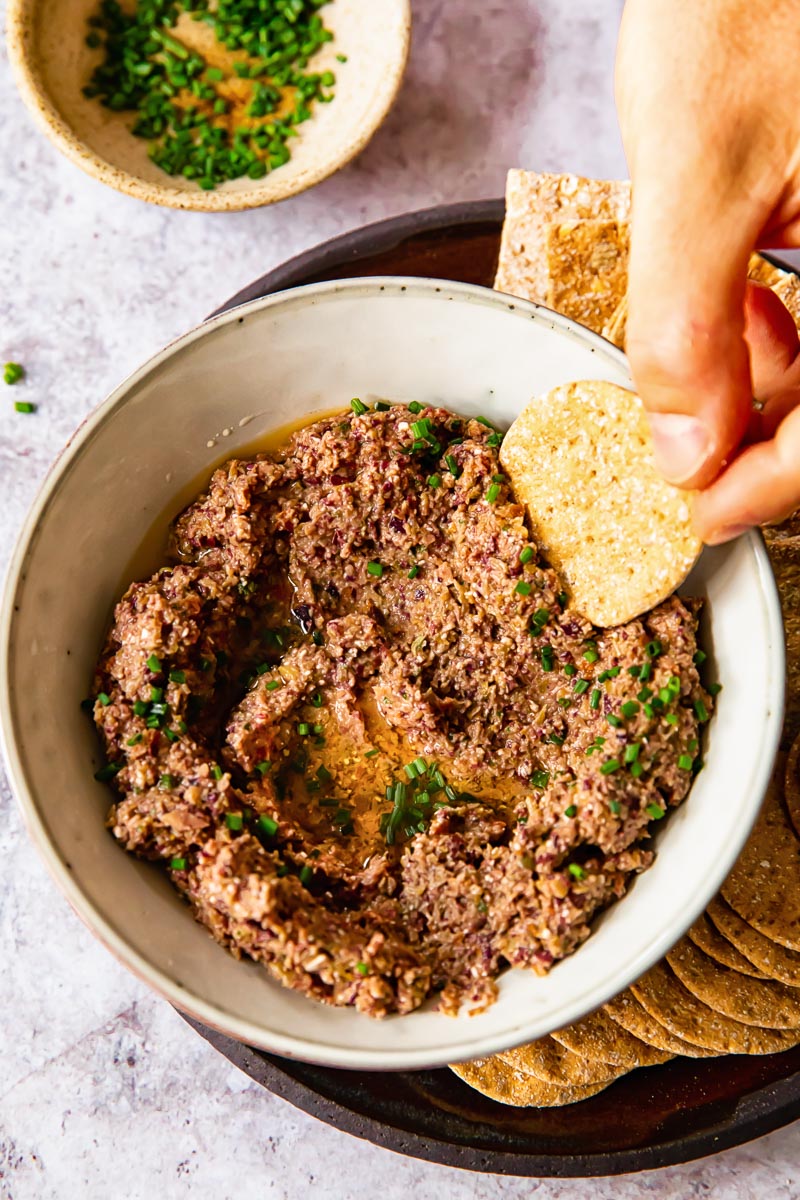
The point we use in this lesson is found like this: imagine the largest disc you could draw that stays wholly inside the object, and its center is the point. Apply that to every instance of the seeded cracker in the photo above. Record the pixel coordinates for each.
(600, 1038)
(553, 1063)
(707, 937)
(533, 202)
(666, 999)
(791, 792)
(763, 885)
(752, 1001)
(587, 262)
(774, 960)
(626, 1010)
(580, 459)
(495, 1079)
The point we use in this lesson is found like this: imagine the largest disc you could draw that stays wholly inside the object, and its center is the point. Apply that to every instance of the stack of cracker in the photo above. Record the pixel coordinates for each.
(732, 984)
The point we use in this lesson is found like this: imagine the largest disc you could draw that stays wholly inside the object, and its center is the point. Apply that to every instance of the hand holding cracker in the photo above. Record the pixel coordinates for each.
(714, 151)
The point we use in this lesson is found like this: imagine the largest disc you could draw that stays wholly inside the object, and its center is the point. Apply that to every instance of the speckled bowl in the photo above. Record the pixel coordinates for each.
(52, 63)
(202, 399)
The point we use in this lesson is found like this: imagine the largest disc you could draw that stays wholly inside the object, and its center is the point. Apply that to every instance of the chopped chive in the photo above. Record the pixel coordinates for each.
(631, 753)
(134, 741)
(24, 406)
(361, 967)
(699, 658)
(591, 654)
(570, 670)
(306, 875)
(685, 762)
(104, 699)
(609, 766)
(526, 554)
(272, 685)
(614, 721)
(492, 493)
(655, 811)
(413, 572)
(234, 821)
(649, 711)
(12, 373)
(304, 729)
(267, 825)
(177, 864)
(644, 694)
(629, 709)
(371, 753)
(562, 598)
(452, 465)
(714, 689)
(434, 481)
(177, 677)
(484, 421)
(672, 718)
(494, 440)
(375, 568)
(415, 407)
(576, 871)
(216, 771)
(556, 740)
(358, 407)
(653, 649)
(636, 769)
(581, 686)
(523, 588)
(546, 658)
(594, 699)
(540, 779)
(154, 664)
(645, 671)
(701, 711)
(615, 807)
(263, 767)
(571, 810)
(634, 671)
(316, 700)
(167, 781)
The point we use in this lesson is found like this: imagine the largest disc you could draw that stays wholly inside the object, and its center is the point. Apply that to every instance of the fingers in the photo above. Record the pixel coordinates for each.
(771, 337)
(763, 484)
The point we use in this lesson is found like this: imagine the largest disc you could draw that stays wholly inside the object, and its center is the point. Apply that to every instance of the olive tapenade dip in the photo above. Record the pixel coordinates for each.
(358, 722)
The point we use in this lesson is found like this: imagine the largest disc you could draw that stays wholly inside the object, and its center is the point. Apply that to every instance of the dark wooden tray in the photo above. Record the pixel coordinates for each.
(663, 1115)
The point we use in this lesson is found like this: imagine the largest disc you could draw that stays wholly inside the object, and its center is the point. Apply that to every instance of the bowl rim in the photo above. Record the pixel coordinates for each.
(312, 1049)
(37, 99)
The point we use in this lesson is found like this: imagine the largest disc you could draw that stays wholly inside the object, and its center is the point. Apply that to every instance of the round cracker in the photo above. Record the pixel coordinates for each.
(550, 1061)
(760, 1002)
(666, 999)
(496, 1079)
(600, 1038)
(763, 885)
(706, 935)
(626, 1010)
(580, 458)
(791, 790)
(774, 960)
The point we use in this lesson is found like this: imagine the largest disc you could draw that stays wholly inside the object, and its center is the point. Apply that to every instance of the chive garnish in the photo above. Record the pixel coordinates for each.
(615, 807)
(636, 769)
(699, 658)
(614, 721)
(375, 568)
(371, 753)
(591, 654)
(177, 677)
(526, 555)
(523, 588)
(655, 811)
(631, 753)
(104, 699)
(546, 658)
(12, 373)
(571, 810)
(672, 718)
(701, 711)
(714, 689)
(413, 572)
(581, 686)
(685, 762)
(272, 685)
(362, 968)
(216, 771)
(576, 871)
(415, 407)
(609, 766)
(306, 875)
(154, 664)
(234, 821)
(594, 699)
(434, 481)
(492, 493)
(540, 779)
(267, 825)
(134, 741)
(452, 465)
(629, 709)
(263, 767)
(304, 729)
(177, 864)
(653, 649)
(166, 782)
(358, 407)
(570, 670)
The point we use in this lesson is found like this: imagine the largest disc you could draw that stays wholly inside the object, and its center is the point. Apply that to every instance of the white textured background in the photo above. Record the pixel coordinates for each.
(104, 1092)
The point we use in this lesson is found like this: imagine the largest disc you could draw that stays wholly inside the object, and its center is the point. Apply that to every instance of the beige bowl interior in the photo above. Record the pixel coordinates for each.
(47, 47)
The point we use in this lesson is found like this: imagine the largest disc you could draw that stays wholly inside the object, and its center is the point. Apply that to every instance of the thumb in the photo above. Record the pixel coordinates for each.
(690, 243)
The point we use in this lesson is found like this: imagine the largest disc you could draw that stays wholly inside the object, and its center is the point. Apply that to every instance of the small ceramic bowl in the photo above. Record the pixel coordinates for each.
(52, 63)
(146, 452)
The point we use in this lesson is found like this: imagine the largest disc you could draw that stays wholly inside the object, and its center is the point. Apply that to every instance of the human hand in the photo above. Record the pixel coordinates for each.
(712, 139)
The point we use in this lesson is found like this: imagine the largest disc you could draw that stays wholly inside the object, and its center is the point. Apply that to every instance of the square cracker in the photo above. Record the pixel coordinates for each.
(534, 201)
(587, 264)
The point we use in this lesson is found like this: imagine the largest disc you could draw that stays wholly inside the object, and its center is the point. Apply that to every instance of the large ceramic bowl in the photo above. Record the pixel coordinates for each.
(218, 389)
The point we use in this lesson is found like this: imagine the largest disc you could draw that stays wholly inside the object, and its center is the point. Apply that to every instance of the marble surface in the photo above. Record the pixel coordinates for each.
(104, 1092)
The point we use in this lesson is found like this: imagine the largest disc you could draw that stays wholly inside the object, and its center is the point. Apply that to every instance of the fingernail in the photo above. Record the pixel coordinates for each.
(681, 444)
(727, 534)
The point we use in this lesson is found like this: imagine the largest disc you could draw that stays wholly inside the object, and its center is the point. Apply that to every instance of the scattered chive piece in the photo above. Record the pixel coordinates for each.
(562, 598)
(614, 721)
(371, 753)
(452, 465)
(590, 654)
(24, 406)
(581, 686)
(104, 699)
(571, 810)
(358, 407)
(540, 779)
(629, 709)
(495, 440)
(375, 568)
(526, 554)
(166, 782)
(492, 493)
(564, 702)
(634, 671)
(268, 825)
(434, 481)
(636, 769)
(12, 373)
(556, 740)
(343, 58)
(615, 806)
(631, 753)
(570, 670)
(609, 766)
(686, 762)
(645, 671)
(594, 699)
(649, 711)
(382, 406)
(134, 741)
(672, 718)
(701, 711)
(644, 694)
(699, 658)
(234, 821)
(273, 684)
(413, 572)
(216, 771)
(263, 767)
(415, 407)
(714, 689)
(304, 729)
(523, 588)
(484, 421)
(177, 677)
(693, 744)
(576, 871)
(653, 649)
(316, 700)
(140, 708)
(655, 811)
(546, 658)
(177, 864)
(154, 664)
(306, 875)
